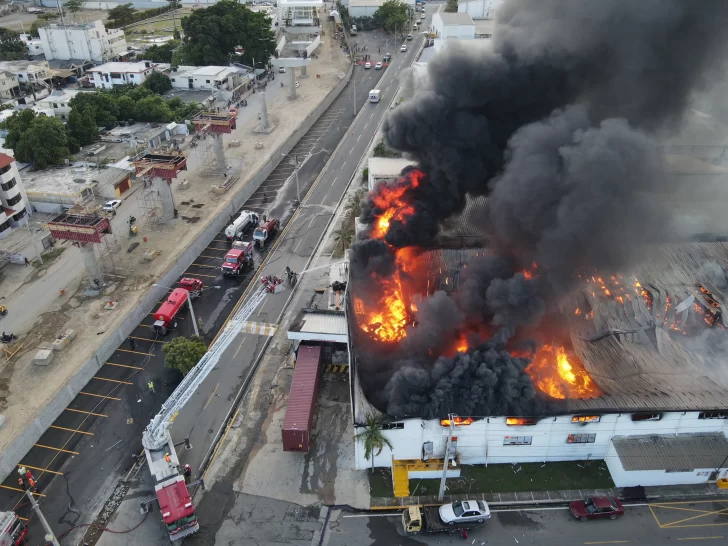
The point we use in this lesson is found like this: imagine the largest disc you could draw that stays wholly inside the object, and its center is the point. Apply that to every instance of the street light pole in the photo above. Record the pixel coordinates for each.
(298, 189)
(441, 494)
(49, 537)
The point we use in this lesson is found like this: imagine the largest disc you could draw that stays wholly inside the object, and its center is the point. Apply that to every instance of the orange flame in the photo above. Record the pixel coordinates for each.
(457, 421)
(389, 198)
(519, 421)
(561, 375)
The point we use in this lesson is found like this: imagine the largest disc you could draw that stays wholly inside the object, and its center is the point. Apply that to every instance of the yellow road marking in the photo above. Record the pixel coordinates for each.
(239, 346)
(206, 265)
(668, 507)
(210, 398)
(147, 339)
(20, 490)
(100, 396)
(200, 275)
(123, 366)
(41, 469)
(710, 513)
(72, 430)
(21, 518)
(212, 257)
(699, 538)
(86, 412)
(216, 248)
(134, 352)
(111, 380)
(58, 449)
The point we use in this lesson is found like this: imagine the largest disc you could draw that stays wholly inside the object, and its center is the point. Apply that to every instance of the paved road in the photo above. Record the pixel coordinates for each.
(703, 522)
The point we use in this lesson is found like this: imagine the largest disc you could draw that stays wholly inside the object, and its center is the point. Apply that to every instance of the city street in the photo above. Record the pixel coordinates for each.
(657, 524)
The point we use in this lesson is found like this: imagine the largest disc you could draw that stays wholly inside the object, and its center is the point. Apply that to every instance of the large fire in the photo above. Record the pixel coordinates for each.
(390, 199)
(560, 374)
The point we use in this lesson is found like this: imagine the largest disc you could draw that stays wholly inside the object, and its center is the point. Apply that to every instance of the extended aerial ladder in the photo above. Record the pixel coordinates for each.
(170, 487)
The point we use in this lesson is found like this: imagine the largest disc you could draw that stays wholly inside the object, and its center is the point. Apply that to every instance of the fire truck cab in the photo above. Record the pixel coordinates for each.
(193, 286)
(264, 232)
(12, 530)
(240, 255)
(168, 311)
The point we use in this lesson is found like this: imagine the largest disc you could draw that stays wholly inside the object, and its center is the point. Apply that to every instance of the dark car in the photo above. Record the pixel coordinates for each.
(596, 508)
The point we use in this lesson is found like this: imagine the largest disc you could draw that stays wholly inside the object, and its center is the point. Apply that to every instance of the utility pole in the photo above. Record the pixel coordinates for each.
(441, 494)
(49, 537)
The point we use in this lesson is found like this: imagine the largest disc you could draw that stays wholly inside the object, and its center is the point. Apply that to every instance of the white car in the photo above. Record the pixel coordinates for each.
(367, 64)
(111, 206)
(469, 511)
(422, 17)
(378, 66)
(403, 48)
(409, 36)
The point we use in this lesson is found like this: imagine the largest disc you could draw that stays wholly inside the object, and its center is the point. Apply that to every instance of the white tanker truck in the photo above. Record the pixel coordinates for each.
(235, 230)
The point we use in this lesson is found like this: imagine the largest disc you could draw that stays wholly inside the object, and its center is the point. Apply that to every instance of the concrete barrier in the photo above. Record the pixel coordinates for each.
(14, 453)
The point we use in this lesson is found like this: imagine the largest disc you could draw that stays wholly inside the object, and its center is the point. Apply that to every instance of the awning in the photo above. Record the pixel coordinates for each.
(319, 325)
(62, 73)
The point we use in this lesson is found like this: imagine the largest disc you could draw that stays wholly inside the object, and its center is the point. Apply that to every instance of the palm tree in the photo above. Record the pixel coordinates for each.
(372, 438)
(342, 236)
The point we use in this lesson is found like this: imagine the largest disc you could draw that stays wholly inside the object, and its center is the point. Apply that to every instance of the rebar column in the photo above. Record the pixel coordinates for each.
(93, 267)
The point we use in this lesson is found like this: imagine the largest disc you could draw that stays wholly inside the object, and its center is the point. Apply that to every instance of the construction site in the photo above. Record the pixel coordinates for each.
(70, 313)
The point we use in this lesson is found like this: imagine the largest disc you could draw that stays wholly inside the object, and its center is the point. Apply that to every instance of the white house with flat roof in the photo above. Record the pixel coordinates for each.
(58, 102)
(91, 41)
(385, 169)
(451, 26)
(479, 9)
(206, 77)
(108, 75)
(366, 8)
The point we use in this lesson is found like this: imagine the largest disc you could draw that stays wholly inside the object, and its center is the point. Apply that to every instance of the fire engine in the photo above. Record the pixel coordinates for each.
(164, 317)
(12, 530)
(264, 232)
(178, 511)
(240, 255)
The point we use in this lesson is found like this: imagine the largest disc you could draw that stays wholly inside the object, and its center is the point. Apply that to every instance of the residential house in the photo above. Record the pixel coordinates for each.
(206, 77)
(9, 86)
(106, 76)
(14, 205)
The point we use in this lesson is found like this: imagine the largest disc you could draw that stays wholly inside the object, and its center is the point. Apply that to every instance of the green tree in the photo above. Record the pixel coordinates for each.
(162, 53)
(17, 125)
(100, 105)
(452, 6)
(122, 15)
(82, 127)
(391, 15)
(158, 83)
(371, 437)
(184, 353)
(73, 6)
(126, 107)
(212, 34)
(45, 143)
(152, 109)
(12, 48)
(342, 237)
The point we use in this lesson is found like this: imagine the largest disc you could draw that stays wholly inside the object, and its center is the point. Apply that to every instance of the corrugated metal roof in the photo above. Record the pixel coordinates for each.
(671, 452)
(301, 399)
(324, 323)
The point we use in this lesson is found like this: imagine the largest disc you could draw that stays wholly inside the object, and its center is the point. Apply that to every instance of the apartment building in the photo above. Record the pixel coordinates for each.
(91, 41)
(14, 206)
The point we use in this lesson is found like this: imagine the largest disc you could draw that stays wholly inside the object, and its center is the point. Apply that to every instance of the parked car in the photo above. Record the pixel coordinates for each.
(111, 206)
(468, 511)
(367, 64)
(403, 48)
(387, 57)
(379, 65)
(596, 508)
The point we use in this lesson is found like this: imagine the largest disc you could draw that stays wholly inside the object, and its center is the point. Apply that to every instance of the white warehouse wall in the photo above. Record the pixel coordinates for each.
(482, 441)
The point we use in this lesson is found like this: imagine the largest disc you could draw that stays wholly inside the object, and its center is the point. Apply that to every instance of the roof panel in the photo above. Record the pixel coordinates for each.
(672, 452)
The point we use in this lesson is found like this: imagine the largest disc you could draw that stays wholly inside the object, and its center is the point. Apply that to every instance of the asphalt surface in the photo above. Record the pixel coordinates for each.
(79, 459)
(700, 522)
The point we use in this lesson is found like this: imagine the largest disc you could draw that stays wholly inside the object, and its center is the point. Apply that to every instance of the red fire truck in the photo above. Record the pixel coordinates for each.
(240, 255)
(264, 232)
(168, 311)
(12, 530)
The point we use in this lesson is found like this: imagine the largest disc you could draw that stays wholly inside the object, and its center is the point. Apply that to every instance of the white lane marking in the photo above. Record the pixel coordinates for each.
(299, 244)
(357, 138)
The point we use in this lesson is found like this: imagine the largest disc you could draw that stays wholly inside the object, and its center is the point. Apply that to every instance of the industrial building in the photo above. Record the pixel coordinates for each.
(385, 169)
(451, 26)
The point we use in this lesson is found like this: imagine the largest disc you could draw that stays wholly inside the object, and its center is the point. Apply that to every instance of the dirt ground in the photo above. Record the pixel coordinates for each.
(25, 389)
(21, 21)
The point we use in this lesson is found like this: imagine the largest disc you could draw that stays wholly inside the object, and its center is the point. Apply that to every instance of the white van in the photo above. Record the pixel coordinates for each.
(375, 95)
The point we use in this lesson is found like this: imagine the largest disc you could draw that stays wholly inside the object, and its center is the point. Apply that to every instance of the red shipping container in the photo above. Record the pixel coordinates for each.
(298, 421)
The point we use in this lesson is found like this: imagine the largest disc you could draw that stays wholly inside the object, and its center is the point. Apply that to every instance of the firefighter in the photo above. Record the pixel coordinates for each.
(167, 457)
(151, 386)
(187, 472)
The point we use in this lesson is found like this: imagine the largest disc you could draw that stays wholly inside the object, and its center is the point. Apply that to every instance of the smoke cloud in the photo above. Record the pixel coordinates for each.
(553, 121)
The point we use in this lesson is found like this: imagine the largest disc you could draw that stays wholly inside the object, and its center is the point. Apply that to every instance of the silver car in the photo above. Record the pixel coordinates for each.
(469, 511)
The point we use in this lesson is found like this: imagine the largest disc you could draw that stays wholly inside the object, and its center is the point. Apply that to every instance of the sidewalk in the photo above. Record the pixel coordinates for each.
(529, 498)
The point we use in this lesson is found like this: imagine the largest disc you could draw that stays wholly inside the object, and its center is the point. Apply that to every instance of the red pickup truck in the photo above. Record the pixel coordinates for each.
(240, 255)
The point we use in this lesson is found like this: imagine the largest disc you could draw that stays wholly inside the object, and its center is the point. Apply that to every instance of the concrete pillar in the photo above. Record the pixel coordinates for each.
(220, 161)
(264, 111)
(291, 83)
(164, 190)
(303, 72)
(93, 268)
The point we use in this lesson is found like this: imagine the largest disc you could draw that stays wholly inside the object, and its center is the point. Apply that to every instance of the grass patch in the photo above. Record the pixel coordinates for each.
(506, 478)
(49, 257)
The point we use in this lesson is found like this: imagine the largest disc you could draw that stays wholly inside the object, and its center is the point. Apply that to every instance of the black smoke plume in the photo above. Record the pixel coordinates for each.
(553, 122)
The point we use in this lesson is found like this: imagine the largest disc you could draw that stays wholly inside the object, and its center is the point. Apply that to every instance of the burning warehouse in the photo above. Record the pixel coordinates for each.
(532, 281)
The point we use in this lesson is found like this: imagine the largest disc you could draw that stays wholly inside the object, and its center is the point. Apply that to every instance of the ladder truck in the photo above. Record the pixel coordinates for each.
(175, 502)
